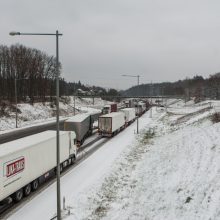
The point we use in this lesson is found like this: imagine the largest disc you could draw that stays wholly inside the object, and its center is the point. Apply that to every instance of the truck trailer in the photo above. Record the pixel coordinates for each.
(129, 115)
(110, 108)
(110, 124)
(140, 108)
(82, 125)
(29, 161)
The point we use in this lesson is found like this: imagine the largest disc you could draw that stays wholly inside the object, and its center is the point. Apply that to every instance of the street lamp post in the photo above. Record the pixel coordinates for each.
(74, 99)
(138, 77)
(16, 103)
(74, 105)
(57, 34)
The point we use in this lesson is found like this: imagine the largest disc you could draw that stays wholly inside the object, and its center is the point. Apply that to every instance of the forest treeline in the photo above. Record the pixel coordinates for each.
(197, 87)
(34, 73)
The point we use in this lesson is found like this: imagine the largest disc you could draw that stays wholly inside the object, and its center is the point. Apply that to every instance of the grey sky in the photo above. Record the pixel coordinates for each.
(161, 40)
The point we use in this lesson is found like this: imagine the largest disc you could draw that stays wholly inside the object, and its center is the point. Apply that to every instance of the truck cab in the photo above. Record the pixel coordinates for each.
(72, 143)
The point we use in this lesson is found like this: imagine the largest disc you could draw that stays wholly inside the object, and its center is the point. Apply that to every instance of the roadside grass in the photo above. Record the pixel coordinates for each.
(145, 137)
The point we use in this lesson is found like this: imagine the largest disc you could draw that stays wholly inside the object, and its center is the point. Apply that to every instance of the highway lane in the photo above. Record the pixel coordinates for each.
(23, 132)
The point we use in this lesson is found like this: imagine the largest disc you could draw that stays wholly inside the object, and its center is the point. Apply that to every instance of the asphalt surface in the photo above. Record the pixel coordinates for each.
(23, 132)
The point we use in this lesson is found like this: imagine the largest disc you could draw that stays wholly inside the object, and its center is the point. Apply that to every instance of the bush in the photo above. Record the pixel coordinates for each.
(2, 108)
(149, 134)
(216, 117)
(6, 107)
(65, 99)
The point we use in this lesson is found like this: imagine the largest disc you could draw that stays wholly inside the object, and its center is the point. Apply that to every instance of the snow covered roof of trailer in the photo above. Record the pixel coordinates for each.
(141, 103)
(95, 112)
(25, 142)
(78, 118)
(127, 109)
(111, 114)
(107, 106)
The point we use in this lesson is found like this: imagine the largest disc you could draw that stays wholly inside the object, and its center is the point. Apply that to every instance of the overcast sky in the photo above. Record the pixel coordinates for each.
(161, 40)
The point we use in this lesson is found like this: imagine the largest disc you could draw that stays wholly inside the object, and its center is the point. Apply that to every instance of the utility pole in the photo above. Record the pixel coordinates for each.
(57, 34)
(58, 128)
(151, 99)
(137, 117)
(74, 100)
(16, 102)
(74, 105)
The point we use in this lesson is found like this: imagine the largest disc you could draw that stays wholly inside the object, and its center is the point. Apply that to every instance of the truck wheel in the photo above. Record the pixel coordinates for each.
(61, 168)
(18, 195)
(73, 160)
(35, 185)
(27, 190)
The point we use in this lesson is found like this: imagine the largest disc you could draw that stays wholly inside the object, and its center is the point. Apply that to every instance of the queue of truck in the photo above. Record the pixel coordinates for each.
(27, 162)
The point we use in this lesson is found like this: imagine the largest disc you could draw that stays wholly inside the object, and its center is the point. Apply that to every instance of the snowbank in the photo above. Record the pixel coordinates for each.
(38, 112)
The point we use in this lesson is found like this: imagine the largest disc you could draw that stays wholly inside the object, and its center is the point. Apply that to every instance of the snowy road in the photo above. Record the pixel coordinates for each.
(89, 172)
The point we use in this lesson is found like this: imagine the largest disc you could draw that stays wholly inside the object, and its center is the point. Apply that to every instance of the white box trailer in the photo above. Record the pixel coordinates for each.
(143, 105)
(140, 108)
(111, 123)
(129, 115)
(30, 158)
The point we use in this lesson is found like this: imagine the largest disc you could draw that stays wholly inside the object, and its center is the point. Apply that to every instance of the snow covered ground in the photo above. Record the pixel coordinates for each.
(38, 112)
(169, 171)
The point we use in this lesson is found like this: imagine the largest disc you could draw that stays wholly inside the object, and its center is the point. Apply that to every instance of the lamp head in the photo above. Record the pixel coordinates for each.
(13, 33)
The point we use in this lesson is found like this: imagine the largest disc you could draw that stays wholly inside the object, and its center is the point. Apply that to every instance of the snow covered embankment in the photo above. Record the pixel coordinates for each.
(174, 174)
(39, 113)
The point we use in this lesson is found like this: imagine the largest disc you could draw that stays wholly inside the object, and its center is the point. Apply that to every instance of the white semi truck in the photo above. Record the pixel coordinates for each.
(110, 124)
(26, 162)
